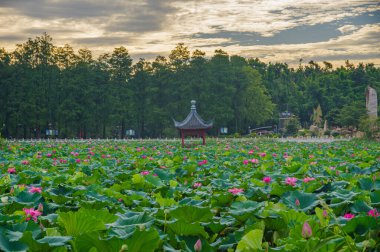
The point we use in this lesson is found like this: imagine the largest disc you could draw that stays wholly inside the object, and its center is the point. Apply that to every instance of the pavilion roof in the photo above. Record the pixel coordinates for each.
(193, 120)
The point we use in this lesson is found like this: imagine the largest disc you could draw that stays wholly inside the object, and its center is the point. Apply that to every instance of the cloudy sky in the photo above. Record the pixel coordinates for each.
(272, 30)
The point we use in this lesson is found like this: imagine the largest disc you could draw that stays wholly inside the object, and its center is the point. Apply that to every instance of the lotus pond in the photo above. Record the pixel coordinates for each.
(245, 195)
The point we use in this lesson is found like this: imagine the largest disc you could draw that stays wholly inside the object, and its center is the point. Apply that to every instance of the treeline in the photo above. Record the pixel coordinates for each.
(43, 86)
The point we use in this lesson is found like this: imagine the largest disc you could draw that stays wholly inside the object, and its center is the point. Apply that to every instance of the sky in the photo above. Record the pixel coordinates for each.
(271, 30)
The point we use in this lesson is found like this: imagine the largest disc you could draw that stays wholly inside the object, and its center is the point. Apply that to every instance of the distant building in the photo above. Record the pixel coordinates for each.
(284, 117)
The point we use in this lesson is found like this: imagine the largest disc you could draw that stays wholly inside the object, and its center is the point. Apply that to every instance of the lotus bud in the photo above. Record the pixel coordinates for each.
(4, 199)
(307, 232)
(124, 248)
(40, 207)
(198, 245)
(166, 211)
(297, 203)
(142, 227)
(325, 214)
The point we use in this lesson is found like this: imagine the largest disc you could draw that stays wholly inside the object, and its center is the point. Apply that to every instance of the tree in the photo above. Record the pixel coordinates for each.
(316, 117)
(350, 114)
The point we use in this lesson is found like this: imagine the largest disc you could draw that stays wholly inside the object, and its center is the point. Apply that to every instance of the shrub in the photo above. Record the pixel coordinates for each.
(292, 126)
(371, 127)
(3, 142)
(335, 133)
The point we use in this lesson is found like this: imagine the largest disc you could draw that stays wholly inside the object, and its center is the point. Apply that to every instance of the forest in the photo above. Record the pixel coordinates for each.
(44, 86)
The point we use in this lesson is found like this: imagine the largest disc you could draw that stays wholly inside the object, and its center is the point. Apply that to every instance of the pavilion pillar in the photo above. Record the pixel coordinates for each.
(183, 138)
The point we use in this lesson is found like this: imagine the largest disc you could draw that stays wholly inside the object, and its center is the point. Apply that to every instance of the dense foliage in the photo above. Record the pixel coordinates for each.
(146, 196)
(46, 86)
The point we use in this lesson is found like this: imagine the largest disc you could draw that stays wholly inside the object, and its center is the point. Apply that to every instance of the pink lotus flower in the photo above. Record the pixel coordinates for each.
(33, 189)
(373, 212)
(307, 179)
(274, 155)
(235, 190)
(307, 232)
(267, 180)
(77, 160)
(202, 162)
(25, 162)
(311, 156)
(143, 156)
(144, 172)
(313, 163)
(290, 181)
(263, 154)
(245, 161)
(254, 161)
(11, 170)
(197, 184)
(31, 213)
(198, 245)
(138, 149)
(348, 216)
(251, 152)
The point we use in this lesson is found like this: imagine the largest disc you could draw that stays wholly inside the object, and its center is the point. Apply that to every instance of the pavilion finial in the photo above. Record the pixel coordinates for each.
(193, 104)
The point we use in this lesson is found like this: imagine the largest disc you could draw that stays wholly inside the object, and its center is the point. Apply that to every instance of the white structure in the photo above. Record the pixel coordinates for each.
(371, 102)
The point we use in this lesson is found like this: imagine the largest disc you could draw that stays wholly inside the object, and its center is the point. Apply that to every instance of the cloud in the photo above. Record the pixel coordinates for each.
(347, 28)
(341, 48)
(53, 9)
(274, 30)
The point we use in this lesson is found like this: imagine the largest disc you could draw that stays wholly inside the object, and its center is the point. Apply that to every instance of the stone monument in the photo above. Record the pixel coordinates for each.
(371, 102)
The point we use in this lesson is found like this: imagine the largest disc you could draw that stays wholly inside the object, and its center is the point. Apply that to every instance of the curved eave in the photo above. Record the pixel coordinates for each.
(192, 122)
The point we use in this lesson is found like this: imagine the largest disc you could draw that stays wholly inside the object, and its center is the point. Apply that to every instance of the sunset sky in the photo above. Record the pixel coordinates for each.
(272, 30)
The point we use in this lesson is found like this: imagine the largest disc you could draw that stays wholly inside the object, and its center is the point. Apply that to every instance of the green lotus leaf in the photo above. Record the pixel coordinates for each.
(361, 225)
(251, 241)
(154, 180)
(55, 241)
(246, 207)
(26, 198)
(360, 206)
(299, 200)
(375, 198)
(93, 241)
(132, 219)
(192, 214)
(181, 227)
(146, 240)
(85, 221)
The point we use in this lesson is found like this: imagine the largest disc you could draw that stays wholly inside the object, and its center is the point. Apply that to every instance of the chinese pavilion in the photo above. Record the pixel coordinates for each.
(193, 125)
